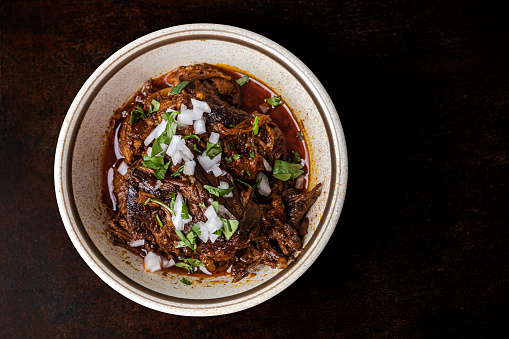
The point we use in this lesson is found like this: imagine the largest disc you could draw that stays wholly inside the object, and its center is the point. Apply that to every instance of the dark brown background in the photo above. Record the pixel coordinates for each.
(421, 88)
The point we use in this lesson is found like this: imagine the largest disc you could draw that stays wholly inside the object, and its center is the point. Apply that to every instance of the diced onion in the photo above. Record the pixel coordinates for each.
(217, 171)
(189, 167)
(199, 126)
(202, 105)
(137, 243)
(186, 152)
(156, 132)
(122, 168)
(210, 213)
(204, 232)
(152, 262)
(214, 224)
(173, 145)
(204, 270)
(158, 184)
(263, 188)
(176, 157)
(208, 163)
(214, 138)
(167, 263)
(267, 166)
(185, 118)
(213, 237)
(264, 107)
(177, 218)
(224, 212)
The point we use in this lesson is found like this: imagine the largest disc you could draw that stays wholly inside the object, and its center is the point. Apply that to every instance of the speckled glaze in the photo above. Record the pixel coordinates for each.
(82, 137)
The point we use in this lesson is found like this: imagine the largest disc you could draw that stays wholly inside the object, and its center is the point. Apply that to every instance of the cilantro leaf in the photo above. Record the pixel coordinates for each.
(229, 227)
(161, 172)
(285, 171)
(243, 80)
(248, 185)
(296, 156)
(196, 149)
(190, 264)
(248, 173)
(160, 203)
(274, 101)
(177, 89)
(228, 146)
(185, 240)
(185, 211)
(153, 162)
(228, 159)
(218, 192)
(251, 153)
(159, 220)
(202, 205)
(177, 172)
(192, 136)
(300, 136)
(213, 149)
(242, 182)
(215, 204)
(154, 107)
(255, 125)
(236, 156)
(185, 281)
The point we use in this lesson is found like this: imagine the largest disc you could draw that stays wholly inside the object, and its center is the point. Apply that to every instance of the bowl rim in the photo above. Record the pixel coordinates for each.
(141, 294)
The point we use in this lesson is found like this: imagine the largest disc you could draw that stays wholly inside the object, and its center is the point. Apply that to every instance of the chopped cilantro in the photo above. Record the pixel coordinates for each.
(196, 149)
(185, 211)
(181, 168)
(190, 264)
(215, 204)
(255, 125)
(160, 203)
(218, 192)
(251, 153)
(202, 205)
(243, 80)
(154, 107)
(228, 159)
(296, 156)
(229, 227)
(231, 125)
(177, 89)
(185, 241)
(159, 220)
(248, 173)
(299, 135)
(213, 149)
(236, 156)
(274, 101)
(192, 136)
(185, 281)
(248, 185)
(285, 171)
(228, 146)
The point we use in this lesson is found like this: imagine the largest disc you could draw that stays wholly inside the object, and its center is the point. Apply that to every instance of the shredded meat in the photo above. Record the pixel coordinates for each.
(270, 228)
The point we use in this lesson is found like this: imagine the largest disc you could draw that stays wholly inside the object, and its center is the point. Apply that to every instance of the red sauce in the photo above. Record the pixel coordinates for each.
(252, 94)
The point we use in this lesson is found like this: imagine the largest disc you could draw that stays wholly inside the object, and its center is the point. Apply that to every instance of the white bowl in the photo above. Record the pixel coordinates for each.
(82, 137)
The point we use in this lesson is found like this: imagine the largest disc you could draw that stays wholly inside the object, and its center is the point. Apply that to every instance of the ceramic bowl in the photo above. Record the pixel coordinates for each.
(83, 134)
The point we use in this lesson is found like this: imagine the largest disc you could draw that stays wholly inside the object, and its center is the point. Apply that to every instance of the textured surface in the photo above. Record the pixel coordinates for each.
(422, 92)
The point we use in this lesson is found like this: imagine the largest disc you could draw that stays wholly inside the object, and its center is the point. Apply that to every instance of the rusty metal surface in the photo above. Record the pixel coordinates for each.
(422, 92)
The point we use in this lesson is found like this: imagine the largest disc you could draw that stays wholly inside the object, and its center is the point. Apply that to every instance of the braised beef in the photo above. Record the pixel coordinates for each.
(270, 228)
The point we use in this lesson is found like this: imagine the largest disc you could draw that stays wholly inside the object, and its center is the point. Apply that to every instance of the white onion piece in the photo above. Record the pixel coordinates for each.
(210, 212)
(189, 167)
(264, 107)
(208, 163)
(204, 232)
(167, 263)
(202, 105)
(156, 132)
(185, 118)
(152, 262)
(267, 166)
(164, 147)
(224, 212)
(177, 218)
(176, 157)
(214, 138)
(158, 184)
(122, 168)
(217, 171)
(173, 144)
(199, 126)
(183, 107)
(213, 237)
(197, 114)
(137, 243)
(149, 151)
(186, 152)
(263, 188)
(213, 224)
(204, 270)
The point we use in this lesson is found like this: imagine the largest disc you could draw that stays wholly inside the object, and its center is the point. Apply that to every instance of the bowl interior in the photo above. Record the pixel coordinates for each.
(83, 138)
